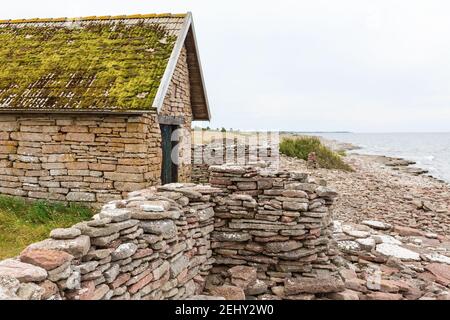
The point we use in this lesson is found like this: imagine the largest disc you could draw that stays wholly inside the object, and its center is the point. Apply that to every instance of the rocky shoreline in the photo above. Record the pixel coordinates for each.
(397, 163)
(391, 226)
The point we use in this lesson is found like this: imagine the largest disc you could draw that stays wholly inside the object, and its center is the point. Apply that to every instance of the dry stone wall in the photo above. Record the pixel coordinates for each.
(250, 233)
(230, 153)
(153, 245)
(84, 158)
(278, 224)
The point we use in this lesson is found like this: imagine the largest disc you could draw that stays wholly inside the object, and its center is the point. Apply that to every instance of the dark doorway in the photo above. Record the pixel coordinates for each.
(169, 170)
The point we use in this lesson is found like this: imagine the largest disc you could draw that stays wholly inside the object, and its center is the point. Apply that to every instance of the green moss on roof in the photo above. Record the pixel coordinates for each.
(97, 65)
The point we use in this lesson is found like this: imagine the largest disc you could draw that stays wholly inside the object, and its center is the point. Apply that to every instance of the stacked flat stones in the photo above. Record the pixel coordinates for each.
(278, 223)
(83, 158)
(153, 245)
(252, 233)
(206, 155)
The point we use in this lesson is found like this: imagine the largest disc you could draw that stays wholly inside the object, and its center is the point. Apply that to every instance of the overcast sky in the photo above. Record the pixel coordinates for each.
(352, 65)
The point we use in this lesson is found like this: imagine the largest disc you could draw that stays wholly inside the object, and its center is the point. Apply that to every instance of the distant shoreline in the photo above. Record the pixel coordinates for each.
(398, 163)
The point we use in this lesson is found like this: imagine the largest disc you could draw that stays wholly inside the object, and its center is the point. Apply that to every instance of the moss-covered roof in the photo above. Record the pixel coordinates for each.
(95, 63)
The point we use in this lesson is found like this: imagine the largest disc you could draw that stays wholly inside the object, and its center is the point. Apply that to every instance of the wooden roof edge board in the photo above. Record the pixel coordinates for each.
(200, 69)
(172, 64)
(90, 18)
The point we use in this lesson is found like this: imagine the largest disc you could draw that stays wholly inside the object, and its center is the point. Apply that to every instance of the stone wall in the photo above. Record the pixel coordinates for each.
(279, 224)
(252, 233)
(153, 245)
(88, 158)
(232, 153)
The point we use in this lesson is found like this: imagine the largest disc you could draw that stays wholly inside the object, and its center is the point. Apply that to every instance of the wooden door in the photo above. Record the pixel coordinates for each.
(169, 170)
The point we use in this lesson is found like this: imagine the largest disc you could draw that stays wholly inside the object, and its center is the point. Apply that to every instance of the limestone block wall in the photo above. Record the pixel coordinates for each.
(153, 245)
(279, 223)
(88, 158)
(271, 231)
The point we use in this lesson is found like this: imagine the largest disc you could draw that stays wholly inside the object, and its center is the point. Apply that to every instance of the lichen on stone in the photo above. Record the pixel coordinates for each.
(83, 65)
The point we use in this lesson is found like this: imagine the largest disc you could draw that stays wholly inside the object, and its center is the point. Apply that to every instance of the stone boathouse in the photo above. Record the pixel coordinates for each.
(88, 105)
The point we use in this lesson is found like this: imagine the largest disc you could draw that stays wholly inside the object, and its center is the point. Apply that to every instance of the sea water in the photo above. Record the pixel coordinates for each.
(430, 151)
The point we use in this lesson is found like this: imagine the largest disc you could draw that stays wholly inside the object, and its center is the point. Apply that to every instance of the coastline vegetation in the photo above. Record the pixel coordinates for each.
(302, 147)
(23, 222)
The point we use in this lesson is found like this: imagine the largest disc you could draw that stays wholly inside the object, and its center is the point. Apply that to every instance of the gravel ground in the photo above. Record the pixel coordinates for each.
(385, 193)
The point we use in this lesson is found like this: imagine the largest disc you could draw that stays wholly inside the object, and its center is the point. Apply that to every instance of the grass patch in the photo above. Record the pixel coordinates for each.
(301, 147)
(23, 222)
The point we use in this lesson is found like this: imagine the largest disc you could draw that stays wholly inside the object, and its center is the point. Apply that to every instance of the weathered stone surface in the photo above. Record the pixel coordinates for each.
(80, 196)
(228, 292)
(23, 272)
(294, 254)
(326, 192)
(205, 214)
(178, 265)
(250, 185)
(155, 215)
(97, 254)
(50, 289)
(107, 230)
(98, 222)
(124, 251)
(276, 247)
(383, 238)
(231, 236)
(357, 233)
(60, 273)
(140, 284)
(112, 273)
(46, 259)
(205, 297)
(441, 272)
(87, 290)
(243, 276)
(104, 241)
(116, 215)
(88, 267)
(100, 292)
(407, 231)
(155, 206)
(294, 194)
(344, 295)
(30, 291)
(65, 233)
(120, 280)
(366, 243)
(393, 250)
(73, 281)
(8, 287)
(161, 270)
(76, 247)
(312, 285)
(435, 257)
(257, 288)
(295, 206)
(166, 228)
(377, 225)
(383, 296)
